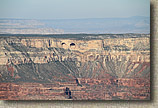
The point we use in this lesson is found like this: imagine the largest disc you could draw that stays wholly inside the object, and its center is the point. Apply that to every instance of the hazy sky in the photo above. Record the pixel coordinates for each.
(72, 9)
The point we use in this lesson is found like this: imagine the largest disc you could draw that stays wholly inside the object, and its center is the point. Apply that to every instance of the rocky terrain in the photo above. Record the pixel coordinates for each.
(93, 67)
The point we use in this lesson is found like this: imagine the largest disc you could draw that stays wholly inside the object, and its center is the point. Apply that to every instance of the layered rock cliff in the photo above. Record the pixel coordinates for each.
(47, 59)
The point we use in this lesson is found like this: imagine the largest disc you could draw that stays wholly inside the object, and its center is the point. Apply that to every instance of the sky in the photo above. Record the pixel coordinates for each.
(73, 9)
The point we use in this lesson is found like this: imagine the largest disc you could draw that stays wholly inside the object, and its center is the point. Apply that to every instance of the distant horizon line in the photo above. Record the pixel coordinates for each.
(75, 34)
(72, 18)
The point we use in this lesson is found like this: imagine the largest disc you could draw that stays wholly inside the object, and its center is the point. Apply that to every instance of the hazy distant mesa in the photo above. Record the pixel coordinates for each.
(26, 27)
(34, 31)
(74, 26)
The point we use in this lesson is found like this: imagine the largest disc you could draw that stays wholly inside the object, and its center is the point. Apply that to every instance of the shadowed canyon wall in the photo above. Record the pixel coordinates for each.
(77, 63)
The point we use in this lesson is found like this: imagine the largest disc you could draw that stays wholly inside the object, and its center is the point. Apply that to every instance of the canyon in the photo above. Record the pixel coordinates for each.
(113, 67)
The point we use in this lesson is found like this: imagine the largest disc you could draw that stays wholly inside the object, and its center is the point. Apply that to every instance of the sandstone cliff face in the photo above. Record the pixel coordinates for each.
(101, 68)
(40, 58)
